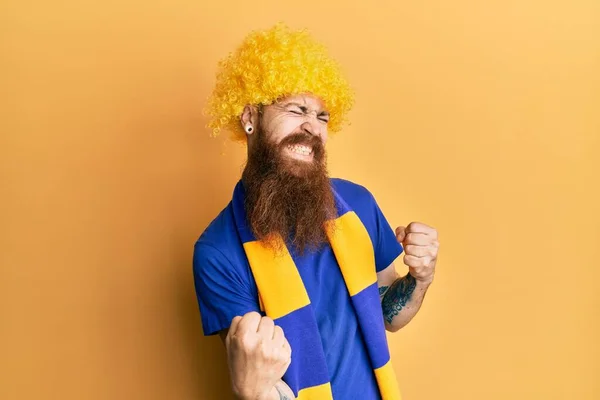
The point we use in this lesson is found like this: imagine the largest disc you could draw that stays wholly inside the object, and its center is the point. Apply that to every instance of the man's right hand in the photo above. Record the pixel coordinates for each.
(258, 355)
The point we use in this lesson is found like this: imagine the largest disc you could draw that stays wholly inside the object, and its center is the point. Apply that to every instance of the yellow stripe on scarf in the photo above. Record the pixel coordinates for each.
(269, 274)
(386, 380)
(321, 392)
(353, 250)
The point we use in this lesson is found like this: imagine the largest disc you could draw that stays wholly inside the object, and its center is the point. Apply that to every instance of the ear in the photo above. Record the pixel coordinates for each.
(249, 118)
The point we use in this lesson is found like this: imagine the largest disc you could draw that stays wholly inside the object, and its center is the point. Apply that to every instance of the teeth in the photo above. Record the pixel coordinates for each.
(301, 149)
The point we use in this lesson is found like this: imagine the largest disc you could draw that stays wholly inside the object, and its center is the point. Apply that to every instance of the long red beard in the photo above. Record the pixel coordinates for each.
(289, 198)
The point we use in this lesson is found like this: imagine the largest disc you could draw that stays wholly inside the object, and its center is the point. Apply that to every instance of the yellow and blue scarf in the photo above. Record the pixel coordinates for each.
(283, 298)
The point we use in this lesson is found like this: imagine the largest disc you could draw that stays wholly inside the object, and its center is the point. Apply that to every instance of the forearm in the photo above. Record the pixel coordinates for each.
(401, 301)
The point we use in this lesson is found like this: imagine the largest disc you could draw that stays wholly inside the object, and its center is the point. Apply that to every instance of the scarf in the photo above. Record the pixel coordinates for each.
(283, 298)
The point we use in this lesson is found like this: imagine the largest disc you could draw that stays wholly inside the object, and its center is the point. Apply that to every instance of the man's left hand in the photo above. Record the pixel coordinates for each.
(421, 246)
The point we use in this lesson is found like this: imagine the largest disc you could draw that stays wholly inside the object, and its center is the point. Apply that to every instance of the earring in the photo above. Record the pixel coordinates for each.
(249, 129)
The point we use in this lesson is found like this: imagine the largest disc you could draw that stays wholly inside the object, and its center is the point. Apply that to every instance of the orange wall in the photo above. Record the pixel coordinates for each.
(481, 118)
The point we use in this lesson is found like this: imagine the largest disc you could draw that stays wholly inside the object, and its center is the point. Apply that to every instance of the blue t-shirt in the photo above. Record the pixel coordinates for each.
(226, 288)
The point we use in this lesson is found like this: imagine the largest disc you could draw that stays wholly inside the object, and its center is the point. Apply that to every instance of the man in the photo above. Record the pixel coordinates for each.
(297, 273)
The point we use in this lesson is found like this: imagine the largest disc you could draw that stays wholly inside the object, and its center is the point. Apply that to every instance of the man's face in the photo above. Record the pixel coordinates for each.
(297, 127)
(287, 186)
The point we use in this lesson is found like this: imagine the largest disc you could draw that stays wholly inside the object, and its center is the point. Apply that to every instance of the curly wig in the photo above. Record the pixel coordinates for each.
(272, 64)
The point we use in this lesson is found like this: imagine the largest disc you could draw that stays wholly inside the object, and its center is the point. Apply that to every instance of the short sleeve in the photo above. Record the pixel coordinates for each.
(222, 289)
(387, 248)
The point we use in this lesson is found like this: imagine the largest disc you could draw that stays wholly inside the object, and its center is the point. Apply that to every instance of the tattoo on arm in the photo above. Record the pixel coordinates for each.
(395, 297)
(382, 291)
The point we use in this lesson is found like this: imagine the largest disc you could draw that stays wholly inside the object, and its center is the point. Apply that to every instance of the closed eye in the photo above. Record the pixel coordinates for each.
(294, 109)
(301, 110)
(324, 117)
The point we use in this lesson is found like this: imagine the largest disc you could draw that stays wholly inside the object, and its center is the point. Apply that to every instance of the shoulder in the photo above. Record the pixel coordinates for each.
(219, 230)
(361, 201)
(218, 244)
(344, 186)
(352, 192)
(219, 260)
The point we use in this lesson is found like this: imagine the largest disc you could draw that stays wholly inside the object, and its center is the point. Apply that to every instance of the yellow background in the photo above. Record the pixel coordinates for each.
(481, 118)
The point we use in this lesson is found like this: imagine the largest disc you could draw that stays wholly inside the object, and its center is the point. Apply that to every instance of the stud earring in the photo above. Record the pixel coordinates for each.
(249, 129)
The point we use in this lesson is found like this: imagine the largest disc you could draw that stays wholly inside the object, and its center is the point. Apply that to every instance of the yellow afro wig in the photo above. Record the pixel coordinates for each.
(272, 64)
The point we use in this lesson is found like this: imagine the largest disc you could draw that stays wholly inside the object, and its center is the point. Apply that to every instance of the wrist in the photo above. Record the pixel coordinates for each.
(423, 282)
(270, 394)
(273, 394)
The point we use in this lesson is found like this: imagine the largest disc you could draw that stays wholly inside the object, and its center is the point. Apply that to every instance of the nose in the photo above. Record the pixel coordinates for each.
(311, 128)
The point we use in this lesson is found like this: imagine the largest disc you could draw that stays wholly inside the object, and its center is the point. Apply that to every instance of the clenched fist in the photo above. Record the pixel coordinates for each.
(421, 247)
(258, 355)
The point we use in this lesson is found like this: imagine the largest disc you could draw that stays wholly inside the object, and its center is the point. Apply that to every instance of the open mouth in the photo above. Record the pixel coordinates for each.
(300, 150)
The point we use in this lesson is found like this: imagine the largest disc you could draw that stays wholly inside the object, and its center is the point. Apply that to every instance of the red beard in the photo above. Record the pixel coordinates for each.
(288, 198)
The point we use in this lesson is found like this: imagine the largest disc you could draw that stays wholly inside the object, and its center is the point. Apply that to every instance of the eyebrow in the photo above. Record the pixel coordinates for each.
(303, 106)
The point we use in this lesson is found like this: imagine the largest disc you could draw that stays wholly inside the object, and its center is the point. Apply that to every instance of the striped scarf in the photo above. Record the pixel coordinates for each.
(283, 298)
